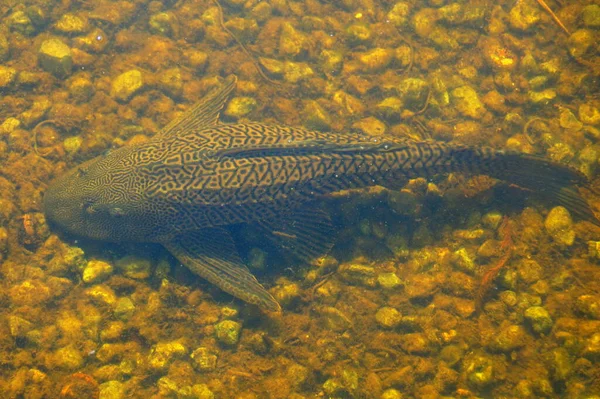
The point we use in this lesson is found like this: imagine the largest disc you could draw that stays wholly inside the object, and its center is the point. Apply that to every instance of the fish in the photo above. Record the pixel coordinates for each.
(188, 184)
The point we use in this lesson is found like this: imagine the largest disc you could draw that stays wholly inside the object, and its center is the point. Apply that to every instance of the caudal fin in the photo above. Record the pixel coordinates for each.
(556, 182)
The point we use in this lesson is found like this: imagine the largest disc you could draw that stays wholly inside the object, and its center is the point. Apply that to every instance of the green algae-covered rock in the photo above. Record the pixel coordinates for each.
(296, 71)
(524, 15)
(127, 84)
(20, 22)
(391, 394)
(376, 59)
(96, 270)
(291, 42)
(539, 319)
(204, 359)
(240, 106)
(399, 14)
(68, 358)
(55, 57)
(331, 61)
(559, 225)
(591, 15)
(4, 48)
(228, 332)
(287, 294)
(124, 309)
(112, 390)
(389, 281)
(388, 317)
(467, 102)
(71, 24)
(508, 339)
(370, 126)
(171, 82)
(163, 354)
(479, 371)
(315, 117)
(72, 144)
(164, 23)
(102, 295)
(580, 42)
(135, 267)
(359, 33)
(7, 76)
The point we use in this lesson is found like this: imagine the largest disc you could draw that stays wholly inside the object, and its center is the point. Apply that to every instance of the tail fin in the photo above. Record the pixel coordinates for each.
(557, 182)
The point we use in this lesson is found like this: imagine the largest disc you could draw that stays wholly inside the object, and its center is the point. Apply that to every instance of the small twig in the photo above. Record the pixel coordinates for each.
(244, 49)
(35, 129)
(543, 4)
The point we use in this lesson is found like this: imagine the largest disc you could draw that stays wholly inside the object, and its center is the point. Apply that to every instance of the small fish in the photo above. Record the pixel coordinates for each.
(197, 176)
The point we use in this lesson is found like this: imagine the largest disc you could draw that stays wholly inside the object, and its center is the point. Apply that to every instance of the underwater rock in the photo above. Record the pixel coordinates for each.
(588, 305)
(135, 267)
(388, 317)
(67, 358)
(376, 59)
(539, 319)
(334, 319)
(588, 114)
(127, 84)
(524, 15)
(7, 76)
(479, 370)
(171, 82)
(102, 295)
(71, 24)
(20, 22)
(591, 15)
(55, 57)
(228, 332)
(370, 126)
(315, 117)
(296, 71)
(81, 88)
(204, 359)
(96, 271)
(124, 309)
(164, 23)
(591, 348)
(164, 353)
(389, 281)
(399, 14)
(580, 42)
(112, 390)
(291, 41)
(287, 294)
(466, 101)
(358, 34)
(240, 106)
(508, 339)
(559, 225)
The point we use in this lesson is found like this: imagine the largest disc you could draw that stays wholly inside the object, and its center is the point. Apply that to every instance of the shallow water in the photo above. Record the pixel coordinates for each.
(450, 287)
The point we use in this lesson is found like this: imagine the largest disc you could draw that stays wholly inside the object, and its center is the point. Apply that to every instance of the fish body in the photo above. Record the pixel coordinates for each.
(197, 176)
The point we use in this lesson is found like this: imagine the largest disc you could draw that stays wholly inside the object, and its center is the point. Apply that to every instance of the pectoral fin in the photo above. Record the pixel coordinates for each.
(211, 254)
(306, 232)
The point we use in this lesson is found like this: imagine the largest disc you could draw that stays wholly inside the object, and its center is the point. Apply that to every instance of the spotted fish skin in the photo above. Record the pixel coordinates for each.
(197, 176)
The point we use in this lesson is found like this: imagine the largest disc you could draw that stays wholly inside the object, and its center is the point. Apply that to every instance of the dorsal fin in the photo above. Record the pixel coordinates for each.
(202, 115)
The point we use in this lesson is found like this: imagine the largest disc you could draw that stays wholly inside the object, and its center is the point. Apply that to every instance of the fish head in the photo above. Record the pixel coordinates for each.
(91, 200)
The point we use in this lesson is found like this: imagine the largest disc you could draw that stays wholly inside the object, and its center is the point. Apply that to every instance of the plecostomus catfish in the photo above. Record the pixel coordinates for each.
(183, 187)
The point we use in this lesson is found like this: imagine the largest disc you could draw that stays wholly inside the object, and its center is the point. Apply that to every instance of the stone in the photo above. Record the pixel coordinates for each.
(102, 295)
(559, 225)
(96, 271)
(124, 309)
(315, 117)
(171, 82)
(389, 281)
(508, 339)
(164, 353)
(580, 42)
(399, 14)
(55, 57)
(388, 317)
(7, 76)
(4, 48)
(539, 319)
(71, 24)
(467, 102)
(524, 15)
(228, 332)
(135, 267)
(591, 16)
(376, 59)
(370, 126)
(204, 359)
(112, 390)
(67, 358)
(127, 84)
(291, 41)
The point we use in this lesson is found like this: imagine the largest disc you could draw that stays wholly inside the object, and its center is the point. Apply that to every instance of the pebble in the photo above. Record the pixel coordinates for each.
(163, 354)
(126, 85)
(389, 281)
(508, 339)
(96, 271)
(467, 102)
(588, 305)
(559, 225)
(228, 332)
(55, 57)
(539, 319)
(591, 16)
(135, 267)
(388, 317)
(124, 309)
(7, 76)
(204, 359)
(580, 42)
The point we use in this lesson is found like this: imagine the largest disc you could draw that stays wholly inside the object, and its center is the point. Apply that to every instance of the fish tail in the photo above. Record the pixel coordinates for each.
(557, 182)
